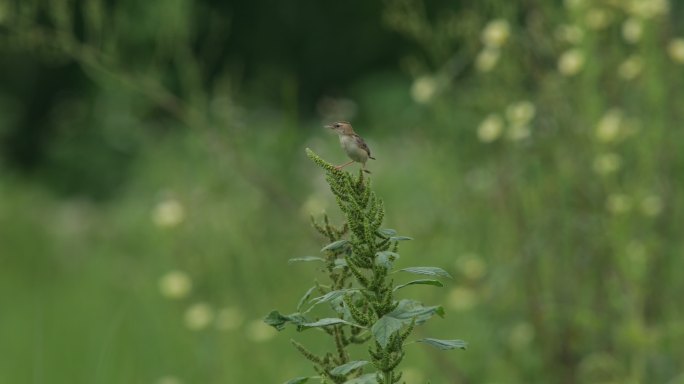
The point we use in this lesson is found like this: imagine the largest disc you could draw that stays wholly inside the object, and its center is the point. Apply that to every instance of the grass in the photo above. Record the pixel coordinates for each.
(81, 278)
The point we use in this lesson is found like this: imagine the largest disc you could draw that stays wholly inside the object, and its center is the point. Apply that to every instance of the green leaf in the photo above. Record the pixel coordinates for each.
(298, 380)
(436, 283)
(384, 328)
(335, 246)
(369, 378)
(305, 298)
(387, 232)
(430, 271)
(444, 344)
(386, 259)
(332, 295)
(392, 235)
(340, 263)
(329, 321)
(400, 238)
(344, 369)
(278, 321)
(407, 310)
(305, 258)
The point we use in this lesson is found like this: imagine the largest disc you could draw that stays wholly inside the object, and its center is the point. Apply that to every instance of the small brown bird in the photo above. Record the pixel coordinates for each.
(353, 144)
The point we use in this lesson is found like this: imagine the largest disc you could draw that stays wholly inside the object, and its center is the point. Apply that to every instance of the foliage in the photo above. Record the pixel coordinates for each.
(366, 308)
(151, 183)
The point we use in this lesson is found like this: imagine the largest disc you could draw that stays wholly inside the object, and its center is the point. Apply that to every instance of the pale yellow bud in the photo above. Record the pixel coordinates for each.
(630, 68)
(229, 318)
(461, 299)
(259, 332)
(198, 316)
(168, 213)
(676, 50)
(647, 9)
(607, 163)
(520, 113)
(487, 58)
(496, 33)
(572, 34)
(472, 266)
(609, 127)
(423, 89)
(597, 18)
(490, 128)
(175, 285)
(632, 30)
(618, 203)
(570, 62)
(652, 205)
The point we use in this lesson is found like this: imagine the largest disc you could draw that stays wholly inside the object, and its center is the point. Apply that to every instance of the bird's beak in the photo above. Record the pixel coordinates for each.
(329, 126)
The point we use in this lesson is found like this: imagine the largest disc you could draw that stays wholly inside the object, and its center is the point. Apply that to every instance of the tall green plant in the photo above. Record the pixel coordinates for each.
(359, 263)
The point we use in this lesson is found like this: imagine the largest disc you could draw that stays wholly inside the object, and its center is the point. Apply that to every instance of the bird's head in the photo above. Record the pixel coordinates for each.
(341, 128)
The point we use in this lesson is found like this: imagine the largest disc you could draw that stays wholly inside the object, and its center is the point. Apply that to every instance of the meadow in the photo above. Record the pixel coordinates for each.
(154, 184)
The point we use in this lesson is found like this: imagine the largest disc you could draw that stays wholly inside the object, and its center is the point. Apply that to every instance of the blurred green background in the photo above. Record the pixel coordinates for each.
(153, 182)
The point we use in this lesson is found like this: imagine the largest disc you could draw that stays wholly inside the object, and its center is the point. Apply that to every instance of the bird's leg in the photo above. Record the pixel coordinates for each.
(343, 165)
(363, 168)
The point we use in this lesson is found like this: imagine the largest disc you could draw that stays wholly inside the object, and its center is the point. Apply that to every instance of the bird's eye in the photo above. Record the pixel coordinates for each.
(337, 125)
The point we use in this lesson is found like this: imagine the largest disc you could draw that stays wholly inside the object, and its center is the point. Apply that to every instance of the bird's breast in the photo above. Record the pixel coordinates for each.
(353, 150)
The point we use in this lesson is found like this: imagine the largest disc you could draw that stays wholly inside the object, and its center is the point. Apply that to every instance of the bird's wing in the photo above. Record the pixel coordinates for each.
(362, 144)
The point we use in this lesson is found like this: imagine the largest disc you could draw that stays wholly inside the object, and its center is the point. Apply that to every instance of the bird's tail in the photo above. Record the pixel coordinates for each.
(372, 157)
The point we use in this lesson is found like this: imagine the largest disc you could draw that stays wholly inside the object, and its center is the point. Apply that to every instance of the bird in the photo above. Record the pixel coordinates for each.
(353, 144)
